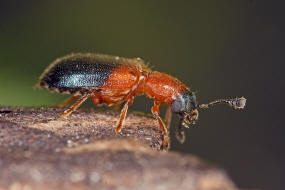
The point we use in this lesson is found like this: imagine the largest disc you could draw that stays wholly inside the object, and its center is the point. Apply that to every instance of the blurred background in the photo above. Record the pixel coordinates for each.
(220, 49)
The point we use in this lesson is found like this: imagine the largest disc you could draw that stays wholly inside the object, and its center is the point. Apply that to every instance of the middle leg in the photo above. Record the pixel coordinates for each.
(123, 114)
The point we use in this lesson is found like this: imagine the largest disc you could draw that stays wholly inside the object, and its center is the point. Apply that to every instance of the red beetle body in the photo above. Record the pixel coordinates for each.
(114, 80)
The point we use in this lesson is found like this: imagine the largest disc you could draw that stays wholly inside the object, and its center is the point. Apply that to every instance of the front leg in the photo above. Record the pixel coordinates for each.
(155, 111)
(180, 135)
(167, 118)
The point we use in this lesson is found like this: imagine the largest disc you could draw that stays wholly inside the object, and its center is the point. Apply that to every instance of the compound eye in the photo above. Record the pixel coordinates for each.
(177, 106)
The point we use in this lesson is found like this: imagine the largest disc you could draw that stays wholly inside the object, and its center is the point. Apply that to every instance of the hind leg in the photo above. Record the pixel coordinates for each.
(74, 106)
(67, 102)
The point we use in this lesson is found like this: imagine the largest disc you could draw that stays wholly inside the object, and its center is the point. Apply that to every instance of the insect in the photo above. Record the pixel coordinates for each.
(113, 80)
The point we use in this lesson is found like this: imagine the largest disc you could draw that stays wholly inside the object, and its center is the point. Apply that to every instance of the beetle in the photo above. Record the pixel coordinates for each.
(110, 80)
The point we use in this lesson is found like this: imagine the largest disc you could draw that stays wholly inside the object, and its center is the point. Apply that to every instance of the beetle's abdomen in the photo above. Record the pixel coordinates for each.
(106, 75)
(74, 74)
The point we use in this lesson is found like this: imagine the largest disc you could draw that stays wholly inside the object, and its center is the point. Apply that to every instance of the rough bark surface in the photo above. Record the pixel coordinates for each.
(40, 151)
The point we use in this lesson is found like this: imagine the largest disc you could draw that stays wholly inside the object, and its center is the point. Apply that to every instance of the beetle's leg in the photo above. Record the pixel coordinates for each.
(96, 99)
(123, 114)
(180, 136)
(74, 106)
(67, 102)
(127, 104)
(155, 112)
(167, 118)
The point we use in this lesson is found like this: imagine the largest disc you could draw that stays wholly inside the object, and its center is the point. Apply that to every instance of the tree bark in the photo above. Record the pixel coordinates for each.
(41, 151)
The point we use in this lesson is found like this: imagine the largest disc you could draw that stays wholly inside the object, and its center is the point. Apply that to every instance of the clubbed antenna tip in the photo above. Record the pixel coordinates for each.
(236, 103)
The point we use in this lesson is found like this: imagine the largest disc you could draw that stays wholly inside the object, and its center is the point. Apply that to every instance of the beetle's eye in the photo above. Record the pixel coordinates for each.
(185, 102)
(177, 105)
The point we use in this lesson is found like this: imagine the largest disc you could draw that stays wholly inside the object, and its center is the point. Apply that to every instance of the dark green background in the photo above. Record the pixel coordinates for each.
(220, 49)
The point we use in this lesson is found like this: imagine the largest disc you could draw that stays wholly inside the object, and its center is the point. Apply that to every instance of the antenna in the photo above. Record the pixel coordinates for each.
(236, 103)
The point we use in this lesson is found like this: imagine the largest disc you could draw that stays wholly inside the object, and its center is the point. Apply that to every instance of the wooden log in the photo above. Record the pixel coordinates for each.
(40, 151)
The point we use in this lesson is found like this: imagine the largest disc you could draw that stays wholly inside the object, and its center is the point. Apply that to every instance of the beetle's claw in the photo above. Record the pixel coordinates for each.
(61, 114)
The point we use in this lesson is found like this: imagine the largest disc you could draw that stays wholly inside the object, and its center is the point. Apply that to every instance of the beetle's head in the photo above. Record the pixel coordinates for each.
(185, 104)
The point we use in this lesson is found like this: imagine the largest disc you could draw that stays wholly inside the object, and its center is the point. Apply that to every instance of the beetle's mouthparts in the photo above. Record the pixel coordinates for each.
(190, 118)
(235, 103)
